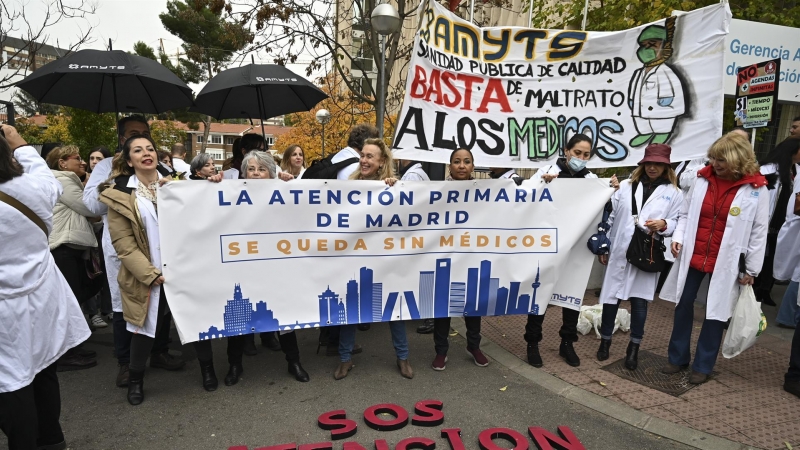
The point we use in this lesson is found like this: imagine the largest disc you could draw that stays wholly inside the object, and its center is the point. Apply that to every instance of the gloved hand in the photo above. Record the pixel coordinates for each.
(666, 101)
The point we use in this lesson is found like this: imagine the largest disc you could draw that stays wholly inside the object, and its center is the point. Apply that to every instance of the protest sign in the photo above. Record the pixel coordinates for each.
(260, 255)
(515, 96)
(757, 94)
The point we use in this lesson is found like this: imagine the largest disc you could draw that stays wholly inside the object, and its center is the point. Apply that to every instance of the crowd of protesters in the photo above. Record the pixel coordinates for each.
(82, 247)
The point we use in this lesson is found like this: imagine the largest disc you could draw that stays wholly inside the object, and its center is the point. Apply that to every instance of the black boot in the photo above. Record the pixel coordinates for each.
(233, 374)
(534, 358)
(135, 387)
(632, 356)
(297, 370)
(602, 352)
(567, 351)
(210, 382)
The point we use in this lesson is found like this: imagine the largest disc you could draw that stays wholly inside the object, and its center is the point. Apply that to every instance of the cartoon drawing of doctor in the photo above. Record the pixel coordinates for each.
(655, 93)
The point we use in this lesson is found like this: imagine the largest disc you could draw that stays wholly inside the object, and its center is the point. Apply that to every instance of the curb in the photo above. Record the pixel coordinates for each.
(623, 413)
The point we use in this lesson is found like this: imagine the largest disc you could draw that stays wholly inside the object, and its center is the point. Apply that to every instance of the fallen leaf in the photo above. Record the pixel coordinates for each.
(504, 388)
(788, 445)
(601, 383)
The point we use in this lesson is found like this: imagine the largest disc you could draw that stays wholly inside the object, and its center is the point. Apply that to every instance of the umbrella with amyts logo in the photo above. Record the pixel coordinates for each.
(257, 90)
(108, 81)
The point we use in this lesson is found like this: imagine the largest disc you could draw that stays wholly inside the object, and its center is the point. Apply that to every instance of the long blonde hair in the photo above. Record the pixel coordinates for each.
(387, 170)
(286, 160)
(737, 152)
(669, 174)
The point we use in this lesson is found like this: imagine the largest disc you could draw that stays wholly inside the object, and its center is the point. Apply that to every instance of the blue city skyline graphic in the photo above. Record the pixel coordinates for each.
(437, 295)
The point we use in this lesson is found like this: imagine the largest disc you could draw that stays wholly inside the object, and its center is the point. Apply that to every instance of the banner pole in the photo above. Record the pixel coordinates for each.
(753, 139)
(530, 13)
(471, 10)
(585, 11)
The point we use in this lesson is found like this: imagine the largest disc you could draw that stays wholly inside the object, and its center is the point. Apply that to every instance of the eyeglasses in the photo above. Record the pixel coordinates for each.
(76, 157)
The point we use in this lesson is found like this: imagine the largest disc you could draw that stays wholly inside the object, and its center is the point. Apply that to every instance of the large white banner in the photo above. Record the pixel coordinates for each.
(515, 96)
(243, 256)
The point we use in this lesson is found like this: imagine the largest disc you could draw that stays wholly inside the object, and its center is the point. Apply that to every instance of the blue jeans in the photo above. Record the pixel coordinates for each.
(788, 310)
(710, 340)
(347, 340)
(793, 374)
(638, 317)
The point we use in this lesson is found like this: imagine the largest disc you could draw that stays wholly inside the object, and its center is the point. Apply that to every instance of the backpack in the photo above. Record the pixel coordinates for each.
(324, 169)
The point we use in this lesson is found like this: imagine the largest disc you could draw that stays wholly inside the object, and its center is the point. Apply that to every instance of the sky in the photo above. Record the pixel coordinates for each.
(124, 22)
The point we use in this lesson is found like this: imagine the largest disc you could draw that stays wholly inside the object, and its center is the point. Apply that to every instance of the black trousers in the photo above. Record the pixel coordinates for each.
(29, 417)
(288, 343)
(764, 280)
(72, 265)
(568, 331)
(122, 340)
(143, 346)
(235, 350)
(441, 330)
(122, 337)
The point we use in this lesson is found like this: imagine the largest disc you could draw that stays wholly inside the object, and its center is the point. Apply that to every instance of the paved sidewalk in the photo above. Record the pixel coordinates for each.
(743, 402)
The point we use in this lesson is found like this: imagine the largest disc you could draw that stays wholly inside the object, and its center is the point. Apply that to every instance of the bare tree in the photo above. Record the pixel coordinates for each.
(320, 34)
(16, 21)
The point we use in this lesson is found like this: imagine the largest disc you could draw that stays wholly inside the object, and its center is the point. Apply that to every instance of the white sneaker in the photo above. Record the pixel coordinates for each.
(98, 321)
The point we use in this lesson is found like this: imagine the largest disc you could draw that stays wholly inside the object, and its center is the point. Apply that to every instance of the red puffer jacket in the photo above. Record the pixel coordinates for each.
(714, 215)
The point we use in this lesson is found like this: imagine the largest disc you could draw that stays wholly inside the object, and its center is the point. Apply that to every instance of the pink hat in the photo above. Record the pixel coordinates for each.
(657, 153)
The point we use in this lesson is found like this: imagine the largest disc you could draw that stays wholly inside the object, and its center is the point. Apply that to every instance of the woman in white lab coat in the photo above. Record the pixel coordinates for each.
(658, 199)
(724, 219)
(40, 319)
(130, 195)
(780, 169)
(577, 153)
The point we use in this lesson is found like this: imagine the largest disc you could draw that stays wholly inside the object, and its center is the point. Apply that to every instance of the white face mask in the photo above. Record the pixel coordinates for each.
(576, 164)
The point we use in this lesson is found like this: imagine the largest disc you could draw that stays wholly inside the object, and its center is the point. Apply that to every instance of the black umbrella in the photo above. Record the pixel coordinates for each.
(108, 81)
(257, 90)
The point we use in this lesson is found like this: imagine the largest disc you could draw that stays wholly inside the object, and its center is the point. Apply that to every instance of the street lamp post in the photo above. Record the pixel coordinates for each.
(323, 117)
(384, 21)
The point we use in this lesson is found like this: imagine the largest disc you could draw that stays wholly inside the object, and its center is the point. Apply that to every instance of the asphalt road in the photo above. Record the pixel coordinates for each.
(268, 407)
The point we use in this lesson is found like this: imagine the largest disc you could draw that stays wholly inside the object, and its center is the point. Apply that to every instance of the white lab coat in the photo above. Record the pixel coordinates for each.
(39, 316)
(415, 173)
(553, 170)
(645, 91)
(745, 233)
(622, 280)
(787, 252)
(147, 211)
(92, 201)
(344, 154)
(230, 174)
(687, 172)
(772, 168)
(180, 165)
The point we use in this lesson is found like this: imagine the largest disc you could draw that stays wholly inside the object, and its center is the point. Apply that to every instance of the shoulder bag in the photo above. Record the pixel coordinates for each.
(19, 206)
(646, 251)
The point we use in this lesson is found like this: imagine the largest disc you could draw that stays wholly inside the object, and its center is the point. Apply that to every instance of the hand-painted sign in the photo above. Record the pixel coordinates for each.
(757, 94)
(264, 255)
(387, 417)
(515, 96)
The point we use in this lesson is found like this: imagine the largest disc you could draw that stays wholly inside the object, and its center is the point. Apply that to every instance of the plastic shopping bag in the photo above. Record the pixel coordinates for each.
(592, 316)
(746, 324)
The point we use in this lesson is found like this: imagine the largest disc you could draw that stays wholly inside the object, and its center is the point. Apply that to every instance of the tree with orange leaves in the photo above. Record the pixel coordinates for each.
(346, 111)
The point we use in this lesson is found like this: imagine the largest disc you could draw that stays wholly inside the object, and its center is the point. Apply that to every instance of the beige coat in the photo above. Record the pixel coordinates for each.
(129, 238)
(70, 223)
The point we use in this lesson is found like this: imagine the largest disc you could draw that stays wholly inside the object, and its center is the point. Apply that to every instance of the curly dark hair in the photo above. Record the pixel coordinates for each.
(359, 134)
